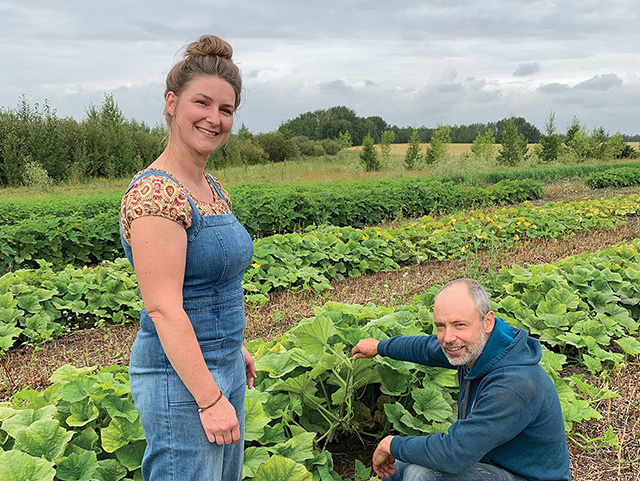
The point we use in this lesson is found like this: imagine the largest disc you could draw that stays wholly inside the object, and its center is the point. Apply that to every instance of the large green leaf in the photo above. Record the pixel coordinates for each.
(130, 456)
(82, 413)
(43, 439)
(255, 418)
(8, 333)
(109, 470)
(430, 403)
(280, 469)
(77, 467)
(314, 337)
(118, 407)
(253, 458)
(119, 433)
(299, 448)
(18, 466)
(276, 365)
(404, 422)
(629, 345)
(69, 372)
(16, 420)
(76, 390)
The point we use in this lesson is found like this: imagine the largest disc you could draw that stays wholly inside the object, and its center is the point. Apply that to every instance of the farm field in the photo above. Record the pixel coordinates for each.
(559, 251)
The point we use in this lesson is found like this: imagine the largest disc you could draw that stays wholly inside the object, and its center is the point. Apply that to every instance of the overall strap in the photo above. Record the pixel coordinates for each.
(215, 186)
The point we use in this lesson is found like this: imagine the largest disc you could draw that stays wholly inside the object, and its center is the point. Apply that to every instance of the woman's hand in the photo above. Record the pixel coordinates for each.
(383, 462)
(220, 423)
(249, 366)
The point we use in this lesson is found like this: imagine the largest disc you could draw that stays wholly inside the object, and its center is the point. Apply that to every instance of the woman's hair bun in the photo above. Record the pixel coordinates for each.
(209, 45)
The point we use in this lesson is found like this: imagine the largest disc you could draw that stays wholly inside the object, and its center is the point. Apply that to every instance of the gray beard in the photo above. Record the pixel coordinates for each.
(474, 351)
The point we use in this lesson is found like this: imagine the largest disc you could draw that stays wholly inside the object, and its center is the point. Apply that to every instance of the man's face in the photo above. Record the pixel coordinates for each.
(461, 333)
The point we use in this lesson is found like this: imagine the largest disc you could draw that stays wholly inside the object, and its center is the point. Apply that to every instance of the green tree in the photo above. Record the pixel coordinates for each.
(412, 156)
(598, 143)
(345, 140)
(386, 139)
(437, 149)
(244, 133)
(514, 145)
(616, 146)
(550, 142)
(484, 145)
(369, 156)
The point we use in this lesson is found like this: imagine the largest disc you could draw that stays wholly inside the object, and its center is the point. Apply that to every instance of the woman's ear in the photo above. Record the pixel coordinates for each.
(170, 103)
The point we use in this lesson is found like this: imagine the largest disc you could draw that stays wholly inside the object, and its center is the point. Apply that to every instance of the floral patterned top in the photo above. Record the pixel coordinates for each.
(160, 196)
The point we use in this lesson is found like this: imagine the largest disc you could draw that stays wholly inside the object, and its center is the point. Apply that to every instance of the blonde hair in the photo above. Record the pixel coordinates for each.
(209, 55)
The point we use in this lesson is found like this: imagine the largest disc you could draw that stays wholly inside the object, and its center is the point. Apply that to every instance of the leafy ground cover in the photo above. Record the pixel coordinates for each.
(624, 177)
(41, 304)
(309, 391)
(92, 235)
(602, 464)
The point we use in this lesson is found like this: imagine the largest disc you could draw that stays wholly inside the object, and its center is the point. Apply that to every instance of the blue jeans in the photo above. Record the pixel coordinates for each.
(477, 472)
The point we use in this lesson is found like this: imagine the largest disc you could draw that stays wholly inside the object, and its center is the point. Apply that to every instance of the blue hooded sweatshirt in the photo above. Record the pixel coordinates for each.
(509, 413)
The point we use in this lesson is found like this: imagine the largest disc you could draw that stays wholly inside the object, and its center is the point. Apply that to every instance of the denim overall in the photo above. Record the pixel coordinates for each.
(219, 250)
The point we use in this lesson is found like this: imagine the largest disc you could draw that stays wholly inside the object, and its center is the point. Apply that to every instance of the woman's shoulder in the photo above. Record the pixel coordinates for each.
(155, 194)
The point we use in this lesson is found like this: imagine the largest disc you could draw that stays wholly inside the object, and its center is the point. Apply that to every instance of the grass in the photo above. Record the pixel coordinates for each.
(342, 167)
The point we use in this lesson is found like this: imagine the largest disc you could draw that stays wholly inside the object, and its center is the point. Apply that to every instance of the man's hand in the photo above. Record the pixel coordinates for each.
(384, 464)
(366, 348)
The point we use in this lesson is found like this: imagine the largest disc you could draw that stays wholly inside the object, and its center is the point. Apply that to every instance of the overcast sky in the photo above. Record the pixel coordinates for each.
(413, 63)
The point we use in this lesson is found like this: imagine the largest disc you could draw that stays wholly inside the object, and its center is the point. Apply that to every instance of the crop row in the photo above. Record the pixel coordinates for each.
(41, 304)
(625, 177)
(12, 212)
(80, 240)
(340, 203)
(540, 173)
(310, 392)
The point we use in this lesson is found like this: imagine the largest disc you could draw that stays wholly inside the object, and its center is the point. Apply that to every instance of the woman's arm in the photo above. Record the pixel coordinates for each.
(159, 249)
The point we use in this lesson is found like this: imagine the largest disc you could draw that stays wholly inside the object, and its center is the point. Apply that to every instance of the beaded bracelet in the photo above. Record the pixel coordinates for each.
(212, 404)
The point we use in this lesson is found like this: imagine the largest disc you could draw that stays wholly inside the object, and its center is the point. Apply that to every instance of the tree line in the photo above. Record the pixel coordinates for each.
(39, 148)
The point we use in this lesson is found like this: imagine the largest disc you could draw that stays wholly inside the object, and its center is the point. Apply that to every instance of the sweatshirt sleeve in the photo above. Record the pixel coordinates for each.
(501, 412)
(424, 350)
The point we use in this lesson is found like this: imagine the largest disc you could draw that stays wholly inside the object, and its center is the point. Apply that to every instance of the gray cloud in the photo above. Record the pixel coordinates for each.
(601, 82)
(525, 69)
(412, 63)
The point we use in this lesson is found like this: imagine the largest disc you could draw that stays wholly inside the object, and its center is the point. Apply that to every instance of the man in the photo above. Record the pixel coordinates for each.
(510, 424)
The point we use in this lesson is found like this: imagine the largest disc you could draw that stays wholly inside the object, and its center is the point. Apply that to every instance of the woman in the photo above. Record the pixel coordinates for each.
(188, 366)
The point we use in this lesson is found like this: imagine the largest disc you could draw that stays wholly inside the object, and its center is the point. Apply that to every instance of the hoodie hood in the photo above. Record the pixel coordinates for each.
(506, 346)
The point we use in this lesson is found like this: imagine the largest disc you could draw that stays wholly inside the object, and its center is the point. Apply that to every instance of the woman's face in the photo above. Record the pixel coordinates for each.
(202, 115)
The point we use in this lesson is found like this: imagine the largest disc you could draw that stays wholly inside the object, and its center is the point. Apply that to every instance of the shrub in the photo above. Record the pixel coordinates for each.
(277, 146)
(35, 175)
(331, 146)
(369, 156)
